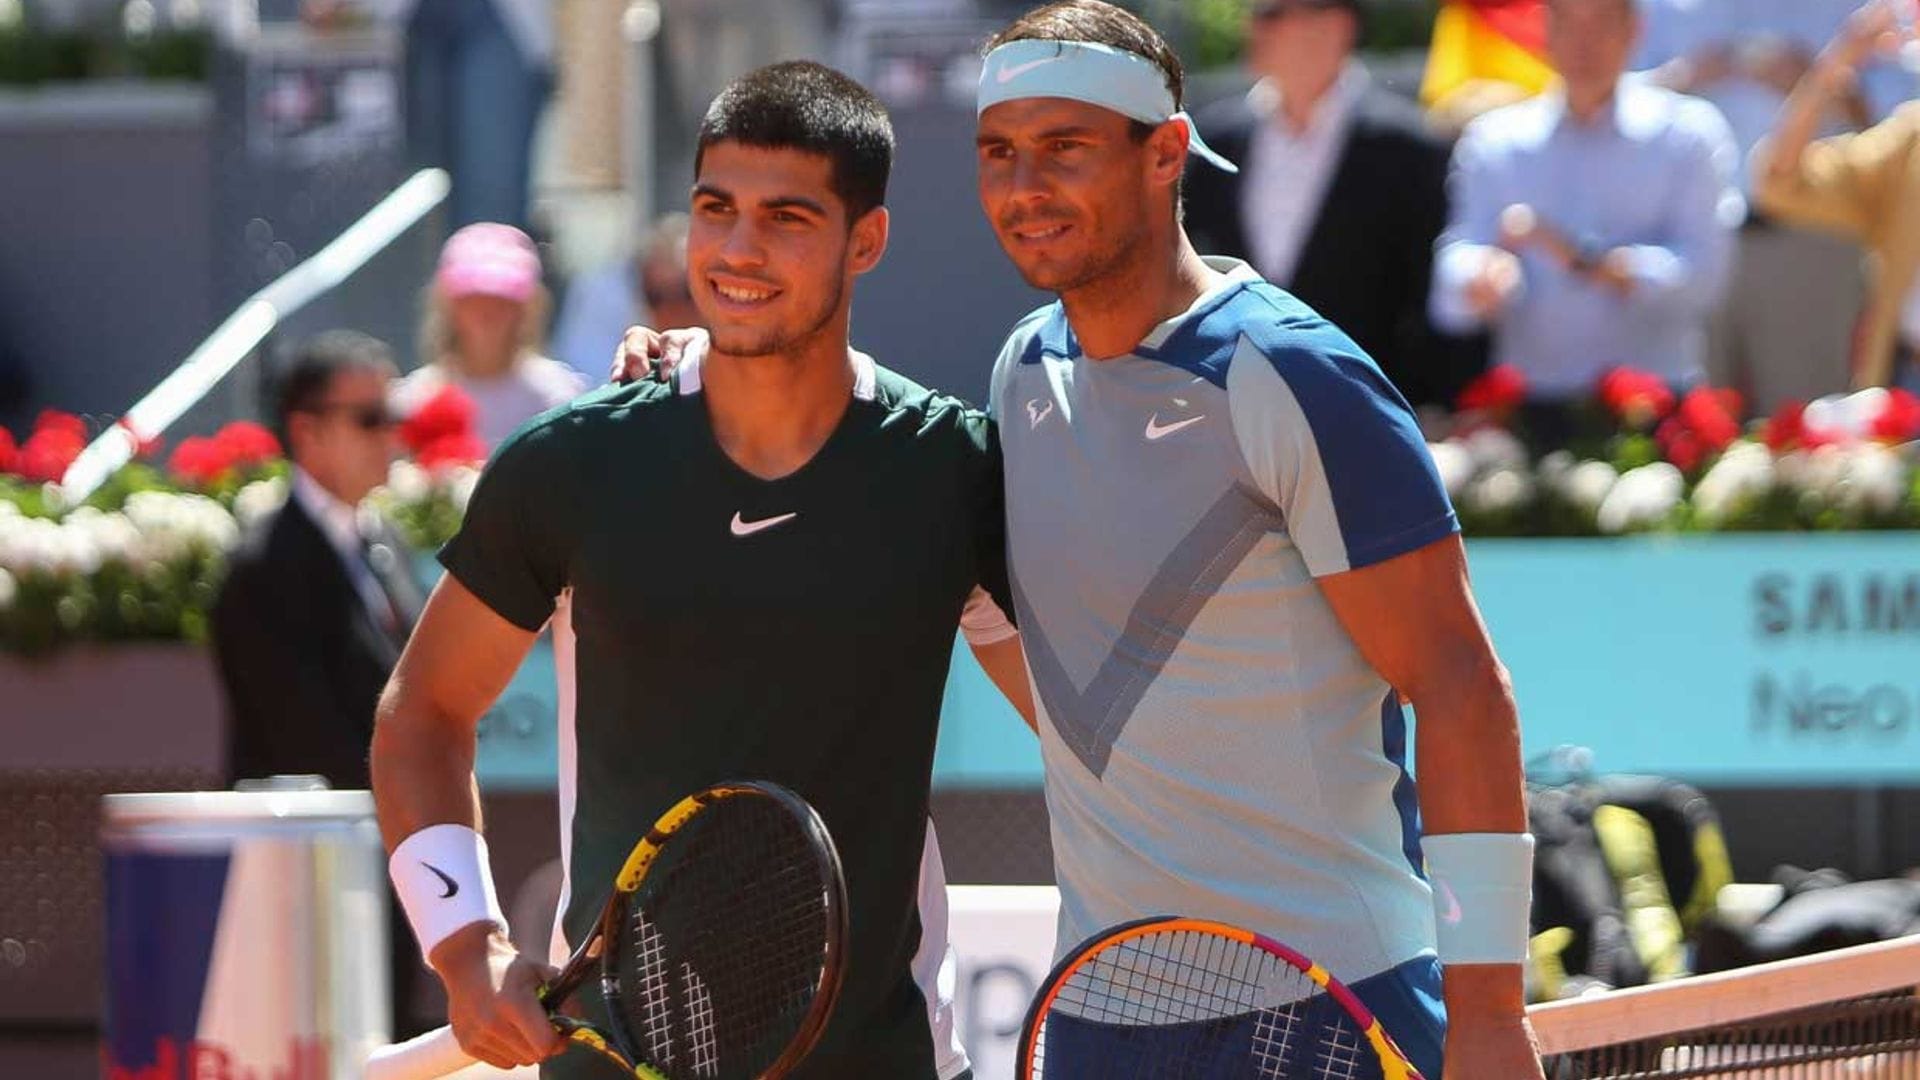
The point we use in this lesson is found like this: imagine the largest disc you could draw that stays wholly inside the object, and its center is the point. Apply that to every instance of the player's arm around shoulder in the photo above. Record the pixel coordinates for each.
(987, 622)
(1413, 617)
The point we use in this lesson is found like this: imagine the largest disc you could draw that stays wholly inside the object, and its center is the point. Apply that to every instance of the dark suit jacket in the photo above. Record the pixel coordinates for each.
(302, 657)
(1368, 258)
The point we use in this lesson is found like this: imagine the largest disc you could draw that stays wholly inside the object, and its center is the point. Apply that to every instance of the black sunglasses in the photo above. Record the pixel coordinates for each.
(364, 417)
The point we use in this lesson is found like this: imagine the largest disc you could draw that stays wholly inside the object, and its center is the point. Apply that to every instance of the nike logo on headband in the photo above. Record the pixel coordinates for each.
(1008, 74)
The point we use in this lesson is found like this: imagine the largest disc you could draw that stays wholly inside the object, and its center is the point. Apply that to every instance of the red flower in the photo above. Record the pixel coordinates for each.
(1499, 389)
(451, 450)
(1703, 425)
(9, 452)
(199, 460)
(1681, 445)
(1899, 422)
(1711, 415)
(1787, 427)
(1634, 397)
(244, 443)
(49, 451)
(65, 423)
(447, 414)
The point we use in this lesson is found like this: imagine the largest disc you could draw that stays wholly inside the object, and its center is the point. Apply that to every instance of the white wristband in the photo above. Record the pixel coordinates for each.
(1482, 889)
(444, 883)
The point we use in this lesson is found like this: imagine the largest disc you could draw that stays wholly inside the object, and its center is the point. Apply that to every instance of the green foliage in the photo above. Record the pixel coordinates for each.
(32, 54)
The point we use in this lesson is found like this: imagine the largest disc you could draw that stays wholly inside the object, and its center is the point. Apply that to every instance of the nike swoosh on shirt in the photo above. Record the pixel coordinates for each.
(1008, 74)
(748, 528)
(453, 887)
(1157, 431)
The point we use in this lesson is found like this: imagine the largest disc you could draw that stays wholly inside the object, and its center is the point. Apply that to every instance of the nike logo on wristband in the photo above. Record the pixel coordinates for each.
(453, 887)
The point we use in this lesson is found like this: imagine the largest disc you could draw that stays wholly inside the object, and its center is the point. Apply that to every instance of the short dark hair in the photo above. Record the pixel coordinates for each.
(308, 376)
(1100, 23)
(801, 105)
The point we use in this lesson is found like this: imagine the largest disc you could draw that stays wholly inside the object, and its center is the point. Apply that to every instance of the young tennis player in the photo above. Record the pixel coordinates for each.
(1231, 558)
(764, 560)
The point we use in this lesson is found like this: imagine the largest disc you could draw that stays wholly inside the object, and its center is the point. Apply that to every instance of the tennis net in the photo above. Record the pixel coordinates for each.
(1852, 1013)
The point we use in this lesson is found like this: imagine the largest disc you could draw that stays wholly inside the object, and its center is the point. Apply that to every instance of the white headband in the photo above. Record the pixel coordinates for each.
(1115, 79)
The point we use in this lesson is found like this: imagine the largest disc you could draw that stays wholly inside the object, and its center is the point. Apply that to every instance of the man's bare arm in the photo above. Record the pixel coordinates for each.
(1415, 621)
(1006, 665)
(461, 656)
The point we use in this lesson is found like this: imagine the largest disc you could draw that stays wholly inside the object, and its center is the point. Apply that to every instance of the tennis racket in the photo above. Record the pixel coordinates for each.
(719, 954)
(1188, 999)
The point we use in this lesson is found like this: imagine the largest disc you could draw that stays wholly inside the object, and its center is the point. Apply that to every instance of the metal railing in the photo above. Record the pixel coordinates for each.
(243, 331)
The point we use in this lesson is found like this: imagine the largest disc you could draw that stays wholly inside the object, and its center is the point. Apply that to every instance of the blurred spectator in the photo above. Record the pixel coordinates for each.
(1341, 193)
(1592, 226)
(647, 289)
(1783, 331)
(1864, 186)
(481, 332)
(320, 597)
(478, 75)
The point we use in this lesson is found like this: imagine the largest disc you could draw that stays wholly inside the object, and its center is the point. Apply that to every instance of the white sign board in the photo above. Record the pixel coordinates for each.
(1003, 935)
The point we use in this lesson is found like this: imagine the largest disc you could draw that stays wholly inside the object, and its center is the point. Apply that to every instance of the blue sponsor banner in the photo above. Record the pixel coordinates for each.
(1766, 659)
(1788, 659)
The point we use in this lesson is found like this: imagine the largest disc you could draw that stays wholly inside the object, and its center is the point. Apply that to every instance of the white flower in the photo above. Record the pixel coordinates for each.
(1499, 491)
(462, 479)
(175, 526)
(259, 499)
(1744, 472)
(1848, 416)
(408, 483)
(1587, 484)
(8, 590)
(1495, 448)
(112, 536)
(1875, 480)
(1450, 459)
(1553, 468)
(1819, 471)
(1643, 497)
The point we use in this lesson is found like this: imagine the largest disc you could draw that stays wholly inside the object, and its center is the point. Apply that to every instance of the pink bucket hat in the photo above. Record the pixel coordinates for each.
(489, 259)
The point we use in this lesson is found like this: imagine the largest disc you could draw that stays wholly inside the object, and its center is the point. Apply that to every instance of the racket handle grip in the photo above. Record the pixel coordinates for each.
(424, 1057)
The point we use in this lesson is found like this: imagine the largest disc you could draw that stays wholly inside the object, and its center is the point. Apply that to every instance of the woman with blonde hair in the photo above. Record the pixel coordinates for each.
(484, 319)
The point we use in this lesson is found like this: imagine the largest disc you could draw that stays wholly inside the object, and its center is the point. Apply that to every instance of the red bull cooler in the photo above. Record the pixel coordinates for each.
(246, 935)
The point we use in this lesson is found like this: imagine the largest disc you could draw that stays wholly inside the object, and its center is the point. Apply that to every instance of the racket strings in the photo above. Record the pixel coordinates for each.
(722, 953)
(1191, 1004)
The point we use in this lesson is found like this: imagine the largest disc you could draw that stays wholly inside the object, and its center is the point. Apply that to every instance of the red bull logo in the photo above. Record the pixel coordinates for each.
(306, 1059)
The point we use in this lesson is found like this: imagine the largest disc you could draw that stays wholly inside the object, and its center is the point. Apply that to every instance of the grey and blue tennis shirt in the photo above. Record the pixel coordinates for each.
(1215, 744)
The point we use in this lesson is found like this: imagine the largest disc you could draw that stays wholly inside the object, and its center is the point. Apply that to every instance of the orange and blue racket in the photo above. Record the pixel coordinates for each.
(1189, 999)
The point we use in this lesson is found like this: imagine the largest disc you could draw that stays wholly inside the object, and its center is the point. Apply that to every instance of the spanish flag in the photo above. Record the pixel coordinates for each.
(1479, 41)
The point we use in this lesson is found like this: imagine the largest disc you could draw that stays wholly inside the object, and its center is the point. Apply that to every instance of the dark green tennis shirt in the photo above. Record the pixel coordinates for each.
(726, 627)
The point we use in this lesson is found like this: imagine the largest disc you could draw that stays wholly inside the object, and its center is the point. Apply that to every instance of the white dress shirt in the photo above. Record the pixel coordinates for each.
(341, 525)
(1287, 171)
(1653, 174)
